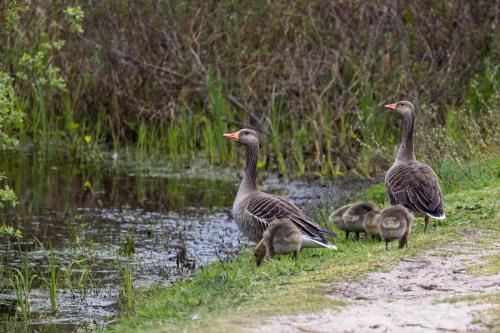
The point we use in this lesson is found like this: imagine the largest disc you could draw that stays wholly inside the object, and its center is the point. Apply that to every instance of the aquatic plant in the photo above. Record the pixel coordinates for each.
(128, 247)
(53, 278)
(128, 288)
(70, 278)
(52, 282)
(10, 231)
(21, 282)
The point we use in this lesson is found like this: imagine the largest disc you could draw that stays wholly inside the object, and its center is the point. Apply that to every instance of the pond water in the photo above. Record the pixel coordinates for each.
(107, 219)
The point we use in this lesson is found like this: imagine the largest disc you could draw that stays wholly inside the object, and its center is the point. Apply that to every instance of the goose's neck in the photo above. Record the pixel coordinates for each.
(249, 182)
(405, 151)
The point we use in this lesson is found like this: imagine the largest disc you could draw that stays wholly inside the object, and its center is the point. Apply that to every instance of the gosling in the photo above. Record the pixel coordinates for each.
(281, 237)
(337, 219)
(395, 223)
(371, 224)
(353, 216)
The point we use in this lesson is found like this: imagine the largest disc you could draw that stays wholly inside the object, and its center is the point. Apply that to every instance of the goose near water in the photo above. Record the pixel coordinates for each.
(409, 182)
(254, 210)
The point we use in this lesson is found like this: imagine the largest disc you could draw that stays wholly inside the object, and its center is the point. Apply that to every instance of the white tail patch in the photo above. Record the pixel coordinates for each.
(308, 242)
(441, 217)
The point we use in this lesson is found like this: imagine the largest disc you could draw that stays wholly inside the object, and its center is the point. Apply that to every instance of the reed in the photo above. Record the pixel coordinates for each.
(276, 137)
(70, 278)
(128, 289)
(21, 283)
(156, 95)
(84, 280)
(128, 246)
(53, 278)
(298, 143)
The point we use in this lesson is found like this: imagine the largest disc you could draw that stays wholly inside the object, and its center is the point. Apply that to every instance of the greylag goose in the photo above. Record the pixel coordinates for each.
(409, 182)
(395, 223)
(281, 237)
(336, 218)
(371, 224)
(254, 210)
(353, 216)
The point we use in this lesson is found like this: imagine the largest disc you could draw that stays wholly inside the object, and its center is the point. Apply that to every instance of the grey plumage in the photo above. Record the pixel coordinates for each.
(336, 216)
(395, 223)
(353, 216)
(409, 182)
(254, 210)
(371, 224)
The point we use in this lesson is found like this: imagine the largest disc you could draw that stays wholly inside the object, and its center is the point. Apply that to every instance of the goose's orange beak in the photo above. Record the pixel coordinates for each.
(391, 106)
(233, 136)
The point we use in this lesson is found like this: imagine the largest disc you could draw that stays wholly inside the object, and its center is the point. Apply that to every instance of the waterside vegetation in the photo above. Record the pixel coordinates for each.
(226, 295)
(168, 78)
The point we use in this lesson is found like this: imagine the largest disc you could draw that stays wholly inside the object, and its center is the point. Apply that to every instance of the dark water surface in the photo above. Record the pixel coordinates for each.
(177, 218)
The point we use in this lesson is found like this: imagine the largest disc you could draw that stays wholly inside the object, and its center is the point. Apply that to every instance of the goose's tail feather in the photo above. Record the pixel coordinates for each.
(328, 233)
(439, 217)
(310, 242)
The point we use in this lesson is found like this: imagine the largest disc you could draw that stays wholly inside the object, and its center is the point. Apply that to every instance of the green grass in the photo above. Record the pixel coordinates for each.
(489, 317)
(491, 266)
(494, 298)
(224, 295)
(128, 290)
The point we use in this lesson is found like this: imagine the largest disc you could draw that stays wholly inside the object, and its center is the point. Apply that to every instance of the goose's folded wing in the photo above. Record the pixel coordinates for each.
(265, 208)
(416, 186)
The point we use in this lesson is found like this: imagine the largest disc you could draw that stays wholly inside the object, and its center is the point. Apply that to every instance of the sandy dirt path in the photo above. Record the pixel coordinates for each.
(409, 298)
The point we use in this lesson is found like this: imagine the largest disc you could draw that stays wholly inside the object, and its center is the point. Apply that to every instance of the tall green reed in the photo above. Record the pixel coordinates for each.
(276, 137)
(128, 289)
(21, 282)
(53, 278)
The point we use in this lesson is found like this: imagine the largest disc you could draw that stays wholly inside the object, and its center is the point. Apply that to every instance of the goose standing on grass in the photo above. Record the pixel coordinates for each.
(254, 210)
(409, 182)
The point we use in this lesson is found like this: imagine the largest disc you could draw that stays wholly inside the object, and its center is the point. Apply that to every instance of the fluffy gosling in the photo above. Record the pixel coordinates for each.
(281, 237)
(371, 224)
(395, 223)
(353, 216)
(337, 219)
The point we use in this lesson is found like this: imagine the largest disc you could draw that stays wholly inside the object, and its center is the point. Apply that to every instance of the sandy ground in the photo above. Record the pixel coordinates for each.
(407, 299)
